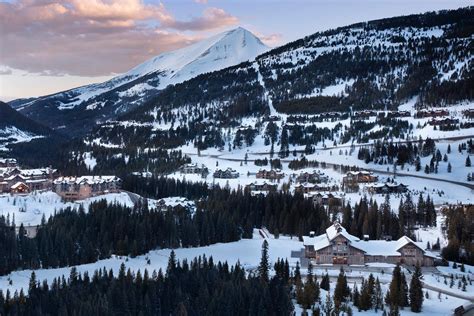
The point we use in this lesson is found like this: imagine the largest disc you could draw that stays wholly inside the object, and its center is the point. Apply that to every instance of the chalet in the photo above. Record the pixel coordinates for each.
(329, 199)
(259, 186)
(229, 173)
(35, 179)
(314, 177)
(274, 174)
(307, 187)
(396, 114)
(78, 188)
(364, 114)
(19, 188)
(469, 113)
(337, 246)
(353, 178)
(443, 121)
(431, 113)
(193, 168)
(386, 188)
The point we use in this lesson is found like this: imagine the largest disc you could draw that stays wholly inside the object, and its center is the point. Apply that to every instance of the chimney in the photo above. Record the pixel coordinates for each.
(312, 233)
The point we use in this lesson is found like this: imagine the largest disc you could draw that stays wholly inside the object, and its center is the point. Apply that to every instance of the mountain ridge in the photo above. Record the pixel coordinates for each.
(95, 103)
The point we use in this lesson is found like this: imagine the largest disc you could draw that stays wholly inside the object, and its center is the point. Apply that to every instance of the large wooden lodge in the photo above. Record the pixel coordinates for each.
(337, 246)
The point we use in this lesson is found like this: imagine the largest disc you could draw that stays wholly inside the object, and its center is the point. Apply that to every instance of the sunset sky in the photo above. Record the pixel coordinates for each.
(48, 46)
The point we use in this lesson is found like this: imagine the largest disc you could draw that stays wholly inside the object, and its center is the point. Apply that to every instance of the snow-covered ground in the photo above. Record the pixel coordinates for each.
(12, 135)
(28, 210)
(247, 252)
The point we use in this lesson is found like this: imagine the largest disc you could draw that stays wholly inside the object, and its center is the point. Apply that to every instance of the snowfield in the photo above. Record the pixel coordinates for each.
(28, 210)
(247, 252)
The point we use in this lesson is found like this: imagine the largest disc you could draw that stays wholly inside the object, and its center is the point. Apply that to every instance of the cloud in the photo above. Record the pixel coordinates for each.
(94, 37)
(212, 18)
(201, 1)
(4, 72)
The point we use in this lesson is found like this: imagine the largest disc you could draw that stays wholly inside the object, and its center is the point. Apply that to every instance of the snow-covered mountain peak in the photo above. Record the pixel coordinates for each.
(217, 52)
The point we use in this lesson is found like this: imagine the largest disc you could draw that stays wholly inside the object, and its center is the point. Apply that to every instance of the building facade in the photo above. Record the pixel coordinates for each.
(337, 246)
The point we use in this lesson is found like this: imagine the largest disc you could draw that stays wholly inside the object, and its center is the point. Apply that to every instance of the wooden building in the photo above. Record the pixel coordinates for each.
(337, 246)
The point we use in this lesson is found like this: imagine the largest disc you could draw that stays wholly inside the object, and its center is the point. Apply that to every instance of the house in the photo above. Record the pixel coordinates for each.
(443, 121)
(229, 173)
(193, 168)
(337, 246)
(20, 188)
(469, 113)
(352, 179)
(274, 174)
(78, 188)
(431, 113)
(329, 199)
(35, 179)
(313, 187)
(314, 177)
(261, 186)
(386, 188)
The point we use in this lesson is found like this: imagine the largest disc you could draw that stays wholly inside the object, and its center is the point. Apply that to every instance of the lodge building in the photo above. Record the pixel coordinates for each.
(337, 246)
(79, 188)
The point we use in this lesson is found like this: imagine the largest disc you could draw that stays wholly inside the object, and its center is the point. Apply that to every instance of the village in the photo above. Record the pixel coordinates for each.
(16, 180)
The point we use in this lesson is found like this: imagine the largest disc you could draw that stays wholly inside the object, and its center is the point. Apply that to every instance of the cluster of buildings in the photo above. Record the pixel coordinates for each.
(16, 180)
(337, 246)
(431, 113)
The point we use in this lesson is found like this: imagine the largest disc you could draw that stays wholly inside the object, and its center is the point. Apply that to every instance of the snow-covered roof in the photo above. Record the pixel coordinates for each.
(336, 229)
(86, 180)
(17, 185)
(370, 247)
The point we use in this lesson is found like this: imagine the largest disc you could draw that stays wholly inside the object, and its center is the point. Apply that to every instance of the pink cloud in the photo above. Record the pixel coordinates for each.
(212, 18)
(93, 37)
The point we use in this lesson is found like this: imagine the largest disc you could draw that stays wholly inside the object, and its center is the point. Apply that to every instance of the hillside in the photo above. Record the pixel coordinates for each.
(81, 108)
(373, 65)
(16, 128)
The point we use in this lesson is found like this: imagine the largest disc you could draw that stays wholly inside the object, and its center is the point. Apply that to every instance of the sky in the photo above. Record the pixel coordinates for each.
(48, 46)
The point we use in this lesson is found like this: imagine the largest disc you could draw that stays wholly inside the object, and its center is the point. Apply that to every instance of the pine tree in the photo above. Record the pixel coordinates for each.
(468, 161)
(403, 299)
(341, 291)
(263, 267)
(416, 290)
(449, 167)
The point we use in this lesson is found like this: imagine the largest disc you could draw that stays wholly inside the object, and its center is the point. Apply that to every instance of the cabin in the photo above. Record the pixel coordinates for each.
(337, 246)
(352, 179)
(20, 188)
(329, 199)
(193, 168)
(431, 113)
(229, 173)
(307, 187)
(273, 174)
(261, 186)
(469, 113)
(386, 188)
(79, 188)
(35, 179)
(314, 177)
